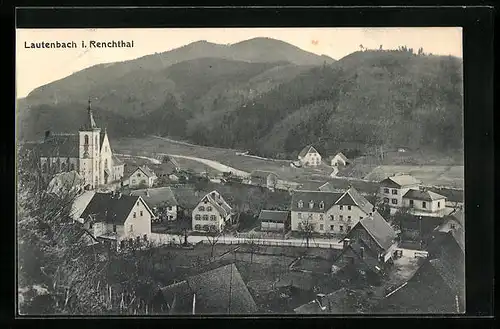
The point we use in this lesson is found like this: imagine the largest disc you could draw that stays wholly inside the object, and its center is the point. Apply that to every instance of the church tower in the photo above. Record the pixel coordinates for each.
(89, 163)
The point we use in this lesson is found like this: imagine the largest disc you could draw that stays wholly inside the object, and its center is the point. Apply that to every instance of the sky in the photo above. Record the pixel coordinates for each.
(37, 67)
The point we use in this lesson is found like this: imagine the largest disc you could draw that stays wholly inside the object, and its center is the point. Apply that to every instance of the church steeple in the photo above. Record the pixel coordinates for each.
(90, 122)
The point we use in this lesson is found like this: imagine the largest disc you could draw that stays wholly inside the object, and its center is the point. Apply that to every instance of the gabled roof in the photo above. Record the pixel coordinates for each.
(400, 180)
(66, 180)
(381, 232)
(306, 150)
(352, 197)
(218, 202)
(342, 156)
(111, 209)
(146, 170)
(157, 196)
(366, 256)
(423, 195)
(60, 145)
(219, 291)
(328, 199)
(273, 215)
(186, 196)
(116, 161)
(342, 301)
(446, 245)
(328, 187)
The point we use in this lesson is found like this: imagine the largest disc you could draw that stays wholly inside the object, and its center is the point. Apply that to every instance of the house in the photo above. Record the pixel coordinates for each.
(263, 178)
(375, 235)
(79, 204)
(339, 160)
(88, 152)
(66, 183)
(329, 212)
(142, 177)
(309, 157)
(455, 223)
(211, 213)
(342, 301)
(161, 200)
(219, 291)
(424, 202)
(437, 287)
(394, 187)
(168, 167)
(274, 220)
(117, 218)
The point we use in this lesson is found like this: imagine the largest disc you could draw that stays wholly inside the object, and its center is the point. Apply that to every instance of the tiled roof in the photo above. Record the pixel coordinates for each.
(157, 196)
(445, 245)
(342, 156)
(423, 195)
(401, 180)
(328, 199)
(306, 150)
(342, 301)
(186, 196)
(146, 170)
(62, 145)
(366, 256)
(116, 161)
(352, 197)
(379, 229)
(273, 215)
(218, 202)
(110, 209)
(219, 291)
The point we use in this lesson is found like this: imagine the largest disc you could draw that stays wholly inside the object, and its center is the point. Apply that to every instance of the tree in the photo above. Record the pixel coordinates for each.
(213, 237)
(361, 47)
(306, 229)
(252, 245)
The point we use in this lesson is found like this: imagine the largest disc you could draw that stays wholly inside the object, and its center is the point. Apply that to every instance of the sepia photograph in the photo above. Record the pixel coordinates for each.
(240, 171)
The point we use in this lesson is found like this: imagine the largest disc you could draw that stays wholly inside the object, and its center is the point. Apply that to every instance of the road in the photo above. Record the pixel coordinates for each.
(193, 239)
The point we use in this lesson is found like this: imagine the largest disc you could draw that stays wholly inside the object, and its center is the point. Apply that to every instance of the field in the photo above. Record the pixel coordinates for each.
(449, 176)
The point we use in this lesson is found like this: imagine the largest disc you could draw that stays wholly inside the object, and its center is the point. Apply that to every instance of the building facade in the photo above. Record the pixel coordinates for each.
(424, 201)
(142, 177)
(392, 189)
(88, 152)
(309, 157)
(211, 214)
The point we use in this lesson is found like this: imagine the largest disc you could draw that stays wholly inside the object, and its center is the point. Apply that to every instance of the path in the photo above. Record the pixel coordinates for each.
(161, 238)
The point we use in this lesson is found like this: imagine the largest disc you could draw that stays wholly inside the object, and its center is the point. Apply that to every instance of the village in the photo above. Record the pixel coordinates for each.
(249, 243)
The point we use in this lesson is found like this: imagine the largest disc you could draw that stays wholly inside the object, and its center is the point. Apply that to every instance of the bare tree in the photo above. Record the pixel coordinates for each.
(213, 238)
(306, 229)
(252, 245)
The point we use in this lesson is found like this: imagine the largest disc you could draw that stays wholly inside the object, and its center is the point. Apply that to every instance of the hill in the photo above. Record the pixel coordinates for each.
(367, 99)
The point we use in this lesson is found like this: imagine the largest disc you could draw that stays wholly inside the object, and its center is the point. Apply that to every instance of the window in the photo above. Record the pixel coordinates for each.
(348, 207)
(201, 208)
(209, 208)
(394, 191)
(137, 204)
(90, 226)
(133, 181)
(321, 227)
(106, 164)
(138, 174)
(341, 207)
(394, 201)
(145, 237)
(386, 200)
(300, 204)
(452, 226)
(135, 215)
(44, 167)
(320, 216)
(331, 227)
(205, 227)
(348, 218)
(86, 138)
(114, 228)
(386, 190)
(96, 141)
(360, 217)
(122, 244)
(205, 217)
(424, 204)
(310, 216)
(439, 204)
(169, 207)
(341, 217)
(321, 205)
(197, 217)
(197, 227)
(348, 228)
(299, 215)
(131, 228)
(311, 204)
(212, 217)
(143, 181)
(341, 228)
(72, 166)
(331, 217)
(411, 203)
(140, 213)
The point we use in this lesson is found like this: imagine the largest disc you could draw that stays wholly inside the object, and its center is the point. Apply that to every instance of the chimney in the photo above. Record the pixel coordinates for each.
(362, 252)
(47, 134)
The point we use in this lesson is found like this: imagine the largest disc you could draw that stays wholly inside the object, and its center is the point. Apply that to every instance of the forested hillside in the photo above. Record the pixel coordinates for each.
(272, 108)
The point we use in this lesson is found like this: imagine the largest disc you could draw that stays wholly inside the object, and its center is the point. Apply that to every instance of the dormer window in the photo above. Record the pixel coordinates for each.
(300, 204)
(311, 204)
(321, 205)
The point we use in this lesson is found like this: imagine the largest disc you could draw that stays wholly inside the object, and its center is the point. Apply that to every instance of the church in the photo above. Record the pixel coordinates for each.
(89, 153)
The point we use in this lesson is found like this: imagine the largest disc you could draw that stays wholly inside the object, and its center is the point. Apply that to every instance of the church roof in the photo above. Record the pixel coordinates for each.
(60, 145)
(90, 122)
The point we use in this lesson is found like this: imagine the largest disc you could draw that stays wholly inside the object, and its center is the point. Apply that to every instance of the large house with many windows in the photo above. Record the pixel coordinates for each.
(393, 188)
(212, 213)
(309, 157)
(329, 212)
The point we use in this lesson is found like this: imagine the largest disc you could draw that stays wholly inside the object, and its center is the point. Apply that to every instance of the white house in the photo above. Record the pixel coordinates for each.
(211, 213)
(339, 160)
(117, 219)
(263, 178)
(329, 212)
(161, 200)
(309, 156)
(424, 201)
(394, 187)
(142, 177)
